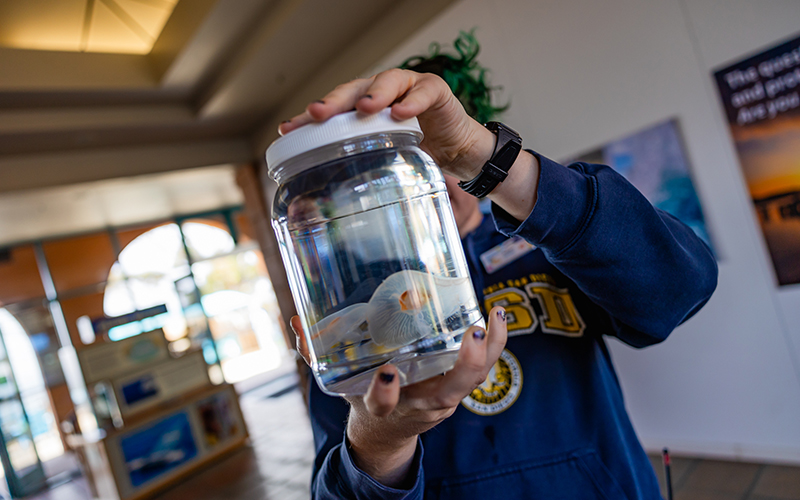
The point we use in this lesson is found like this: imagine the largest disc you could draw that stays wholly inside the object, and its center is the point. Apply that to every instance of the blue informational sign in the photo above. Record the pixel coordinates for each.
(155, 450)
(140, 389)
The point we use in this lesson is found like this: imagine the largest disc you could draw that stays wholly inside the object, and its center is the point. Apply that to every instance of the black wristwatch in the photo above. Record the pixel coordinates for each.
(495, 171)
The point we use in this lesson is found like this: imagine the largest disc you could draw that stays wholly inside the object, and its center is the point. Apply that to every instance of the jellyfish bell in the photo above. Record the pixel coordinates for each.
(340, 329)
(410, 305)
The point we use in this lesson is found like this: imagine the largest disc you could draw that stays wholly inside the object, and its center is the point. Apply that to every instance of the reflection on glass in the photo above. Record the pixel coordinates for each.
(158, 251)
(31, 386)
(243, 352)
(20, 446)
(144, 277)
(118, 299)
(226, 296)
(205, 241)
(196, 332)
(242, 309)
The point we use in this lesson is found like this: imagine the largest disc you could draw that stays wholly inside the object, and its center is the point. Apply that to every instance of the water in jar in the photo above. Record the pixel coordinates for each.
(376, 269)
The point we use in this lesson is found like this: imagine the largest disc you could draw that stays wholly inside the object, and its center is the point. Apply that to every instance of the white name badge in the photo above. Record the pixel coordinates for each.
(505, 253)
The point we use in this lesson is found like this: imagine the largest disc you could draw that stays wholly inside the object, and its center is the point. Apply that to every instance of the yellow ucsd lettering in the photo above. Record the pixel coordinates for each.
(559, 315)
(520, 316)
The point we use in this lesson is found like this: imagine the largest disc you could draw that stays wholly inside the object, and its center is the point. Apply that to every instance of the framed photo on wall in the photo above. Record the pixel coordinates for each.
(761, 97)
(655, 162)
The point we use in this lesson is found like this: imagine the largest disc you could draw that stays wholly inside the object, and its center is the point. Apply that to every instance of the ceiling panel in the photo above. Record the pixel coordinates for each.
(116, 26)
(220, 73)
(109, 33)
(80, 208)
(41, 24)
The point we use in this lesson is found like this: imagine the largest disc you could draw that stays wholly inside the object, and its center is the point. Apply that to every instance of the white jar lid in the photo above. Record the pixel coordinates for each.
(341, 127)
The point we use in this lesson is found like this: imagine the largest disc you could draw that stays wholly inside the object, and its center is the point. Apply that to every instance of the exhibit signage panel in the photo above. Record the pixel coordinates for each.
(761, 97)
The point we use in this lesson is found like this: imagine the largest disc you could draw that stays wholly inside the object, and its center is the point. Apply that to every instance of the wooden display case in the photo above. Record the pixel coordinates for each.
(168, 419)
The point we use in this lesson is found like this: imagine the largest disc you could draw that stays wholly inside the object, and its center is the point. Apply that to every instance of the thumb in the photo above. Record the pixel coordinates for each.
(383, 392)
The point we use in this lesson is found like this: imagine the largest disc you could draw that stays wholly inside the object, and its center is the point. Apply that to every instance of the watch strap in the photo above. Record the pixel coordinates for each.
(495, 171)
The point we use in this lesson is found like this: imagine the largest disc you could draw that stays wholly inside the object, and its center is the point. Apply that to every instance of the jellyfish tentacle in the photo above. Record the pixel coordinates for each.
(341, 327)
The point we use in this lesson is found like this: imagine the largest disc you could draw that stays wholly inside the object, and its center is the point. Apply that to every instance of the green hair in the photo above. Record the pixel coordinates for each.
(466, 78)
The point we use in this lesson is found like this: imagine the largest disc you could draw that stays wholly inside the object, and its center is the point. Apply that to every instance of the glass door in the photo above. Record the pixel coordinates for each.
(242, 312)
(23, 469)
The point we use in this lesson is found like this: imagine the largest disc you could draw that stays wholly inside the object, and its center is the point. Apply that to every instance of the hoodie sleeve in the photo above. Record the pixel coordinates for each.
(335, 474)
(648, 270)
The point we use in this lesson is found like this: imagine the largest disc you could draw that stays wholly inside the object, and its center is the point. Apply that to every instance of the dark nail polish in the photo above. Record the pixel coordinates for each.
(501, 315)
(386, 378)
(320, 101)
(366, 96)
(479, 334)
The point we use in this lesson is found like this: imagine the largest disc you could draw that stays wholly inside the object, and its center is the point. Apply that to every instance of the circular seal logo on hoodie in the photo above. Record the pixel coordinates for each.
(500, 389)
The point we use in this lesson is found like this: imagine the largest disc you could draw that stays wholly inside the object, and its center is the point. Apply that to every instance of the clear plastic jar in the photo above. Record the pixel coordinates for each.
(371, 249)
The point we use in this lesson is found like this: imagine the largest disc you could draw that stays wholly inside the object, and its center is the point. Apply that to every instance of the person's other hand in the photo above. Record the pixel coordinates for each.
(383, 425)
(458, 144)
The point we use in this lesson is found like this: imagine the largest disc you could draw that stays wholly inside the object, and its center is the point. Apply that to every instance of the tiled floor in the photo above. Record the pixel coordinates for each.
(277, 465)
(696, 479)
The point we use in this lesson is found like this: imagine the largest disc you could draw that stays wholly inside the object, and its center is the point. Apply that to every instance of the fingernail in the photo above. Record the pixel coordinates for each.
(285, 121)
(479, 334)
(320, 101)
(501, 314)
(386, 378)
(366, 96)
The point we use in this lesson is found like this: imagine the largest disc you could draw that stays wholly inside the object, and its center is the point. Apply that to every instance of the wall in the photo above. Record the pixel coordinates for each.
(580, 73)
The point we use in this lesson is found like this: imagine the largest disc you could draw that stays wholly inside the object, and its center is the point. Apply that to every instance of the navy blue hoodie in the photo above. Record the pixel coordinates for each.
(550, 421)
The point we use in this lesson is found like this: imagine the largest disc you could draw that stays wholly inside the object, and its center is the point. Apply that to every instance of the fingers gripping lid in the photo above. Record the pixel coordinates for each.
(341, 127)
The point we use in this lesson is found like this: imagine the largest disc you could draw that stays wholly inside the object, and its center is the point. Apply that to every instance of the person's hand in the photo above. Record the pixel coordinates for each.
(383, 425)
(458, 144)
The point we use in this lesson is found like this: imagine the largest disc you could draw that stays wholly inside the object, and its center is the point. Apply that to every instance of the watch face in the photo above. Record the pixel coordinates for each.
(498, 127)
